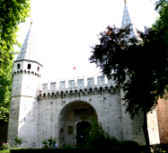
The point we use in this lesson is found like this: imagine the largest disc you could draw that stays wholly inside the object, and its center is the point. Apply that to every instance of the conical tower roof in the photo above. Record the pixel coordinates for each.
(126, 20)
(27, 53)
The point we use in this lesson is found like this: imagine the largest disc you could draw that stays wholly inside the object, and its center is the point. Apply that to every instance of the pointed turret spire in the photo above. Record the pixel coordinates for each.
(27, 52)
(126, 19)
(26, 48)
(125, 2)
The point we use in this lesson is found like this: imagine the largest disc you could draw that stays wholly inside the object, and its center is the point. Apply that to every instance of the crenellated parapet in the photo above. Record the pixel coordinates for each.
(77, 92)
(79, 87)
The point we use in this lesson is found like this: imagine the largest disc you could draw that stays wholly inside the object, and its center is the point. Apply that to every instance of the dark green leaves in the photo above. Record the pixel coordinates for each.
(12, 12)
(145, 79)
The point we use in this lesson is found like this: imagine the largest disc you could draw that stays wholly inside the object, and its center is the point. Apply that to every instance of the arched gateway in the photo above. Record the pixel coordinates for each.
(74, 122)
(63, 110)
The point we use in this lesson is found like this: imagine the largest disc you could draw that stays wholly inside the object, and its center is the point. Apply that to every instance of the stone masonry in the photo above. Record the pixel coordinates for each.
(38, 114)
(57, 110)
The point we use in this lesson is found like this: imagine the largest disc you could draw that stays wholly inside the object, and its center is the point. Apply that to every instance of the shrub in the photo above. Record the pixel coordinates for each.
(4, 146)
(130, 143)
(18, 141)
(98, 138)
(68, 147)
(159, 148)
(50, 143)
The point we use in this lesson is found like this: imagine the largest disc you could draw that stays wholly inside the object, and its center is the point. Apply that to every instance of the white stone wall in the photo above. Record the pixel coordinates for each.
(35, 117)
(22, 120)
(27, 122)
(132, 129)
(107, 107)
(13, 120)
(153, 129)
(137, 124)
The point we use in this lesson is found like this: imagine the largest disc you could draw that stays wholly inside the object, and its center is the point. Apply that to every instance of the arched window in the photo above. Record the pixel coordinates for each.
(18, 66)
(29, 66)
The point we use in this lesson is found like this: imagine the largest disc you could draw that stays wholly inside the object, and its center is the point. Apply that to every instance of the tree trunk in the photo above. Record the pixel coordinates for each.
(145, 129)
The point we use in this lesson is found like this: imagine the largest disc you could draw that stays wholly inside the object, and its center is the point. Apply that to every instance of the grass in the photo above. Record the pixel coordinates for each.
(4, 151)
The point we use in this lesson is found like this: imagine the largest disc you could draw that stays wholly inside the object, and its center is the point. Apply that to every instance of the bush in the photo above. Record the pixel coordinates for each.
(130, 143)
(52, 151)
(130, 146)
(159, 148)
(50, 143)
(4, 146)
(68, 147)
(98, 138)
(18, 141)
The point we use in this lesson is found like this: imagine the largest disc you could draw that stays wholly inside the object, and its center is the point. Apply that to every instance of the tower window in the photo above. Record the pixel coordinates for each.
(38, 68)
(29, 66)
(18, 66)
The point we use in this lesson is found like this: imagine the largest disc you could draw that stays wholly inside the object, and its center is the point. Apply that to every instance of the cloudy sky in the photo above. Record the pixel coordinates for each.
(65, 30)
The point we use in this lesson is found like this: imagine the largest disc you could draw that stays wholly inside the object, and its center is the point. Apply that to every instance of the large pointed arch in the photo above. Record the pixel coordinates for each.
(69, 118)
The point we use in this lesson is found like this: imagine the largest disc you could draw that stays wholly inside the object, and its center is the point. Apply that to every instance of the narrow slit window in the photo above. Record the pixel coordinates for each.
(29, 66)
(18, 66)
(38, 68)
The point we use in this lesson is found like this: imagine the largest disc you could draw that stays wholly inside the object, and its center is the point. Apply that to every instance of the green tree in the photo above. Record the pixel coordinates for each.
(145, 79)
(12, 13)
(162, 23)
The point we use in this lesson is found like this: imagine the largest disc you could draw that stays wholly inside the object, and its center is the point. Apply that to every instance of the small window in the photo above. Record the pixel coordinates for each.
(71, 83)
(70, 129)
(80, 83)
(38, 68)
(61, 130)
(18, 66)
(29, 66)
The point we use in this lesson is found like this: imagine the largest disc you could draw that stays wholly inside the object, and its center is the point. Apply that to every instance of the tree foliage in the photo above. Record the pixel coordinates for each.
(12, 12)
(162, 23)
(145, 79)
(138, 64)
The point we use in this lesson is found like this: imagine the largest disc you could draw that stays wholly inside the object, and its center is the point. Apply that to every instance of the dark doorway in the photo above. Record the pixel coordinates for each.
(83, 129)
(78, 112)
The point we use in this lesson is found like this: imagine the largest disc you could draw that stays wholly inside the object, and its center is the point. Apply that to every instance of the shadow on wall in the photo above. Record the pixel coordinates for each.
(3, 132)
(70, 118)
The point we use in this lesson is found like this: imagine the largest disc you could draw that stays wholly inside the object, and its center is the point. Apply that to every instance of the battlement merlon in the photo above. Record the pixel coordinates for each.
(78, 84)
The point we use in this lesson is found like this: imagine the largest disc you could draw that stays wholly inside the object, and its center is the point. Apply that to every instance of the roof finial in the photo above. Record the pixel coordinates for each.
(125, 3)
(126, 20)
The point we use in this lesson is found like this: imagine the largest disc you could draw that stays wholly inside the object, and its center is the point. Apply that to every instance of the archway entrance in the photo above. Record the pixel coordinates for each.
(74, 123)
(83, 129)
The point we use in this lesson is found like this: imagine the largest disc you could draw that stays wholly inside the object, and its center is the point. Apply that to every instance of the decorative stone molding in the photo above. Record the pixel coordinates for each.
(76, 92)
(26, 72)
